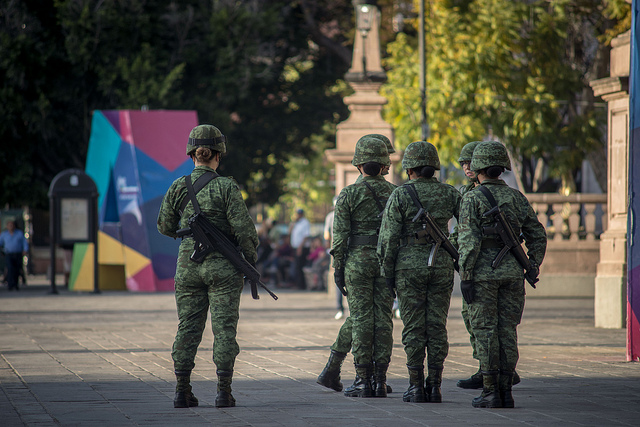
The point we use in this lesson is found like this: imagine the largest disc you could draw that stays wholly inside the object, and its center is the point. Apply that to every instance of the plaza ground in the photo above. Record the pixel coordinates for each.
(104, 359)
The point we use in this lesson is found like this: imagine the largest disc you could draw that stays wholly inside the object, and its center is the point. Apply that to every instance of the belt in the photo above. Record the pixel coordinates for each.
(413, 240)
(359, 240)
(491, 244)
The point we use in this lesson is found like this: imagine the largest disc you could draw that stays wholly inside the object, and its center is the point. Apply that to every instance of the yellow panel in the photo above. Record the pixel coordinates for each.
(134, 261)
(112, 278)
(110, 250)
(84, 279)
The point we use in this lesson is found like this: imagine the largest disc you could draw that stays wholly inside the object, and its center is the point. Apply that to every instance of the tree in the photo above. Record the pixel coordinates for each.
(263, 71)
(514, 70)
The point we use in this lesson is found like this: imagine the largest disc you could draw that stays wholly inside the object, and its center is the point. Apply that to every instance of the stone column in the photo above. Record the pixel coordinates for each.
(365, 107)
(611, 278)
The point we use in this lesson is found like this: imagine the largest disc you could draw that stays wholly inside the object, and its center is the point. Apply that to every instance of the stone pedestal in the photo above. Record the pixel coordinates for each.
(611, 278)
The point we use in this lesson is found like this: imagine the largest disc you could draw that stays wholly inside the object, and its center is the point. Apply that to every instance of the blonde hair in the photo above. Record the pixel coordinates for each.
(204, 154)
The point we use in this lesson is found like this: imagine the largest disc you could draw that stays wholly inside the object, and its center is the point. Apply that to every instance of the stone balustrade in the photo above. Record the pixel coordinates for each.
(574, 224)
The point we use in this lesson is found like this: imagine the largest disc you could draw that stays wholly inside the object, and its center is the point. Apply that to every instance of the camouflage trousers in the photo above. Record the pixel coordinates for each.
(370, 311)
(467, 324)
(345, 337)
(214, 286)
(495, 314)
(425, 296)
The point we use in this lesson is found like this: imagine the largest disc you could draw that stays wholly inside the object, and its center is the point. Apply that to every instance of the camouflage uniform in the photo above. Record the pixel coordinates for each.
(424, 293)
(215, 285)
(496, 308)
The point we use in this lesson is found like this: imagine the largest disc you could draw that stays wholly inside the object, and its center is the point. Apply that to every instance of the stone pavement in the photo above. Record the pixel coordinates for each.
(104, 359)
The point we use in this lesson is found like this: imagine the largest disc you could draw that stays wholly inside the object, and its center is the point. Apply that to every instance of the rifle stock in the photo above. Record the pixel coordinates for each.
(438, 237)
(508, 237)
(208, 237)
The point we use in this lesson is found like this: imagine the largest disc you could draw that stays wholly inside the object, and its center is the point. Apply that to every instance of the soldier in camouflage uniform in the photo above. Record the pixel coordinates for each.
(330, 376)
(424, 292)
(357, 273)
(215, 284)
(475, 381)
(495, 297)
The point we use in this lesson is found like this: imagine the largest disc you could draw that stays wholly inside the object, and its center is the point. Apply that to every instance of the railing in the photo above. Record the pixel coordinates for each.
(579, 216)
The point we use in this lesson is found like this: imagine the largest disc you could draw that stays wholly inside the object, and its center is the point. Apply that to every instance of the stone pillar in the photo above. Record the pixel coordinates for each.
(611, 279)
(365, 107)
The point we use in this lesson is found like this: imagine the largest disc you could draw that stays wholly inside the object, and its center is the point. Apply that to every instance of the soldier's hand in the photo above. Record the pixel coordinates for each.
(339, 278)
(468, 291)
(391, 284)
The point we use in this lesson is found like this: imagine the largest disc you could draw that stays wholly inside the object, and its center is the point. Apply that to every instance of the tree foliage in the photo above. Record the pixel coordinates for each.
(514, 70)
(262, 71)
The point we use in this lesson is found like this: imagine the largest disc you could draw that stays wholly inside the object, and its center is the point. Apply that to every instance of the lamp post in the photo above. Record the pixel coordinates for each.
(423, 73)
(363, 22)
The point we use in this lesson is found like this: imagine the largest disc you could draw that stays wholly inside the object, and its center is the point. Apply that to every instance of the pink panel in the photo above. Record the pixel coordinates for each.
(161, 135)
(633, 335)
(165, 285)
(144, 281)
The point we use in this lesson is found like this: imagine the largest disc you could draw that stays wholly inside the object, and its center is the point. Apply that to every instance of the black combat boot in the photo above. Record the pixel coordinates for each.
(224, 398)
(380, 379)
(473, 382)
(490, 397)
(361, 386)
(184, 398)
(432, 384)
(330, 375)
(415, 393)
(506, 381)
(516, 378)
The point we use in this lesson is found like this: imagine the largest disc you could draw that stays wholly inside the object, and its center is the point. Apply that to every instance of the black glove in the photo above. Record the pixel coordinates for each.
(532, 275)
(468, 291)
(391, 284)
(339, 277)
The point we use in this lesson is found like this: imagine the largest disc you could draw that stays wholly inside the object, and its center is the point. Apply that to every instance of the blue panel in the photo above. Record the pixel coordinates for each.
(104, 144)
(164, 247)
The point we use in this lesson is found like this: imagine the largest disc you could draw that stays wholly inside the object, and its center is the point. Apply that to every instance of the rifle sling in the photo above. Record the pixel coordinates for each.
(375, 197)
(200, 183)
(488, 195)
(411, 190)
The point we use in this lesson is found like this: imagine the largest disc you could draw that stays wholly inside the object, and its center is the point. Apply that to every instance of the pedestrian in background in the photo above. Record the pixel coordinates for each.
(215, 285)
(299, 231)
(15, 247)
(495, 294)
(423, 290)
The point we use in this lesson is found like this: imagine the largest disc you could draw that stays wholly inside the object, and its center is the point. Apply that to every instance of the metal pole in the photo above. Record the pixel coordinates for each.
(53, 217)
(423, 73)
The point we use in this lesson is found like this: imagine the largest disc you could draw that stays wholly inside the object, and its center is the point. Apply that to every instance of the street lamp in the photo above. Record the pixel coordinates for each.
(363, 22)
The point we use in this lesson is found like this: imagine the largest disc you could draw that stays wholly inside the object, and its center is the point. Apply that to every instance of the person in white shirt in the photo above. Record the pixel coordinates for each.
(300, 232)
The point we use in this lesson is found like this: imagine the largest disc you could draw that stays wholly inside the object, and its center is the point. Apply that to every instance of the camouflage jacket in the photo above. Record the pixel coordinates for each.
(475, 261)
(463, 190)
(357, 214)
(441, 200)
(221, 202)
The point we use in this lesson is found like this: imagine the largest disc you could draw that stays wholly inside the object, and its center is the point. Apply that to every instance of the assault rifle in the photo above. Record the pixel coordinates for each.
(431, 229)
(209, 238)
(511, 242)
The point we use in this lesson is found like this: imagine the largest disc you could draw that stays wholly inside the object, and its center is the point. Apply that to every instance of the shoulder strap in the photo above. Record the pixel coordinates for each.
(488, 195)
(375, 196)
(411, 190)
(200, 183)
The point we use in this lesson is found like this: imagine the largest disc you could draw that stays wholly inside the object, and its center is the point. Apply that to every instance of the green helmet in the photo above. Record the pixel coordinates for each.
(466, 154)
(370, 149)
(420, 153)
(490, 153)
(386, 141)
(206, 136)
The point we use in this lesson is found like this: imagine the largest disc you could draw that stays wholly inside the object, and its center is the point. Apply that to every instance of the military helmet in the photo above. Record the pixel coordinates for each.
(490, 153)
(420, 153)
(466, 154)
(370, 149)
(386, 141)
(207, 136)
